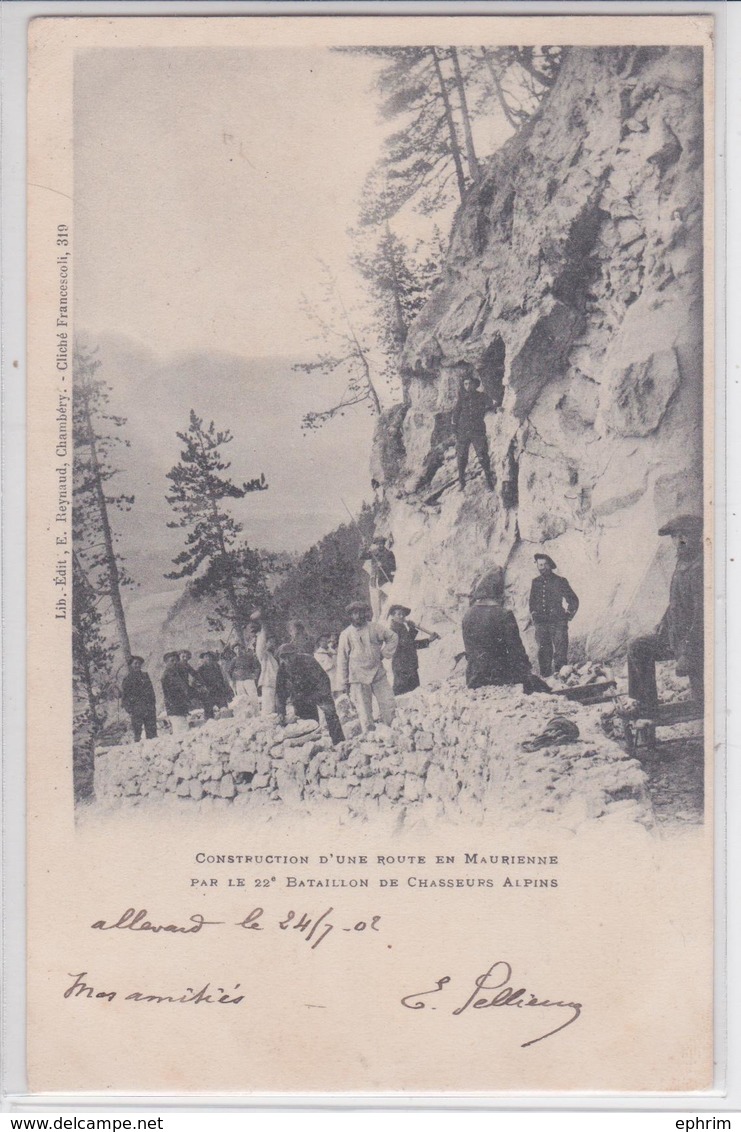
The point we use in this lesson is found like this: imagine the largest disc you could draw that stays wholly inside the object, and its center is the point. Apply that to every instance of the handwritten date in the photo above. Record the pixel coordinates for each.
(314, 928)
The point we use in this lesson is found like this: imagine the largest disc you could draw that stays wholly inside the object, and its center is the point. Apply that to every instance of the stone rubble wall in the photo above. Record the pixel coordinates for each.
(452, 754)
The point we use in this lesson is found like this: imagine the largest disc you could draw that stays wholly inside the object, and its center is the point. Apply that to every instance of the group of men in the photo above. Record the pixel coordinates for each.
(313, 675)
(310, 677)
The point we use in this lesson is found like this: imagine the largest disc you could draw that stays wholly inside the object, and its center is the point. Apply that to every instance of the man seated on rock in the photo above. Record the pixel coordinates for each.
(176, 691)
(405, 663)
(137, 699)
(302, 681)
(216, 693)
(469, 423)
(553, 604)
(679, 634)
(362, 647)
(495, 653)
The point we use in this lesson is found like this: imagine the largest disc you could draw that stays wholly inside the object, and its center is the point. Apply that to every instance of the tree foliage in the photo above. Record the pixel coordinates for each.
(437, 94)
(97, 432)
(343, 350)
(318, 588)
(93, 685)
(220, 564)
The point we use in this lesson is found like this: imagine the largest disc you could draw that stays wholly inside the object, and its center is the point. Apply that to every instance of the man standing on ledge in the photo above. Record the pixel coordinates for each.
(470, 428)
(553, 604)
(680, 631)
(360, 672)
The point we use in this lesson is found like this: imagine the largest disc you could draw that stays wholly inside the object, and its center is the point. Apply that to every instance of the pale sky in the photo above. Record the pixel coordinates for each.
(209, 182)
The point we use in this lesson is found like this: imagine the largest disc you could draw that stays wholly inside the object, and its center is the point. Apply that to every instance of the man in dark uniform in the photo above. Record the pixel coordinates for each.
(495, 653)
(176, 690)
(680, 631)
(216, 691)
(405, 665)
(553, 604)
(381, 567)
(137, 698)
(470, 428)
(302, 681)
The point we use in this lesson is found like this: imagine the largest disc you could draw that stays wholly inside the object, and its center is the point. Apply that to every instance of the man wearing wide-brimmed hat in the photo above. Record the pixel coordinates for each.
(553, 604)
(470, 429)
(405, 665)
(680, 633)
(362, 647)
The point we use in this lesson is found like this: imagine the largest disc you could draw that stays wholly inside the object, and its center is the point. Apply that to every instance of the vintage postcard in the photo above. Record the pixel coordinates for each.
(370, 541)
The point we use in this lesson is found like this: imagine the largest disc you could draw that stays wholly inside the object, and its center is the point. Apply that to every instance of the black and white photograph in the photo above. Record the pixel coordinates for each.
(371, 463)
(388, 490)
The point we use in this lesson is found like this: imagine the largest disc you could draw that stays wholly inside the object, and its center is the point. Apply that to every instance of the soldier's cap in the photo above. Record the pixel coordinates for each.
(473, 378)
(404, 610)
(358, 605)
(683, 525)
(133, 658)
(545, 558)
(170, 655)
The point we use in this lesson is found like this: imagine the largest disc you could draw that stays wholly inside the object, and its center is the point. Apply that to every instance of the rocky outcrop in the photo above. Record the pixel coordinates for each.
(573, 289)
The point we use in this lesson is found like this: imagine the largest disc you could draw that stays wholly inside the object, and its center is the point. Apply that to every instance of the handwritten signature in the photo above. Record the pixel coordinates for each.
(506, 995)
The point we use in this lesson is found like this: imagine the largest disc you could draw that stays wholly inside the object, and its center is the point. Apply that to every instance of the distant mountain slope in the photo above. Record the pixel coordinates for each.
(262, 401)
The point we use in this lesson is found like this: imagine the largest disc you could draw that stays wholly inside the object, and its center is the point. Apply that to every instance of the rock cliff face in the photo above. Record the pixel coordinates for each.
(573, 290)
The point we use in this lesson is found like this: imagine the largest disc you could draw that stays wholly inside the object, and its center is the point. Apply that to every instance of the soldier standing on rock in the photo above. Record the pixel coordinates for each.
(361, 651)
(137, 698)
(380, 564)
(470, 428)
(405, 665)
(680, 631)
(553, 604)
(495, 653)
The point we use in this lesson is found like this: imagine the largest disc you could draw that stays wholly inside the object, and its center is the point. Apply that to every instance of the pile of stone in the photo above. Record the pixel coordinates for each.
(451, 753)
(579, 675)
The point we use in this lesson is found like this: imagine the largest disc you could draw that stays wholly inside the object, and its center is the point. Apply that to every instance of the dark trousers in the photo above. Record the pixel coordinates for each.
(147, 720)
(480, 447)
(643, 652)
(308, 709)
(552, 638)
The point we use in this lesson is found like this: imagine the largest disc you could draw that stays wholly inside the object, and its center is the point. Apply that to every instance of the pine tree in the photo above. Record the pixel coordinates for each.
(418, 85)
(96, 433)
(92, 679)
(229, 571)
(400, 280)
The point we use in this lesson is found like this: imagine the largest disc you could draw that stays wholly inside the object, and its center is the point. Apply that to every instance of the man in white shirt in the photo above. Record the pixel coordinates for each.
(265, 653)
(363, 645)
